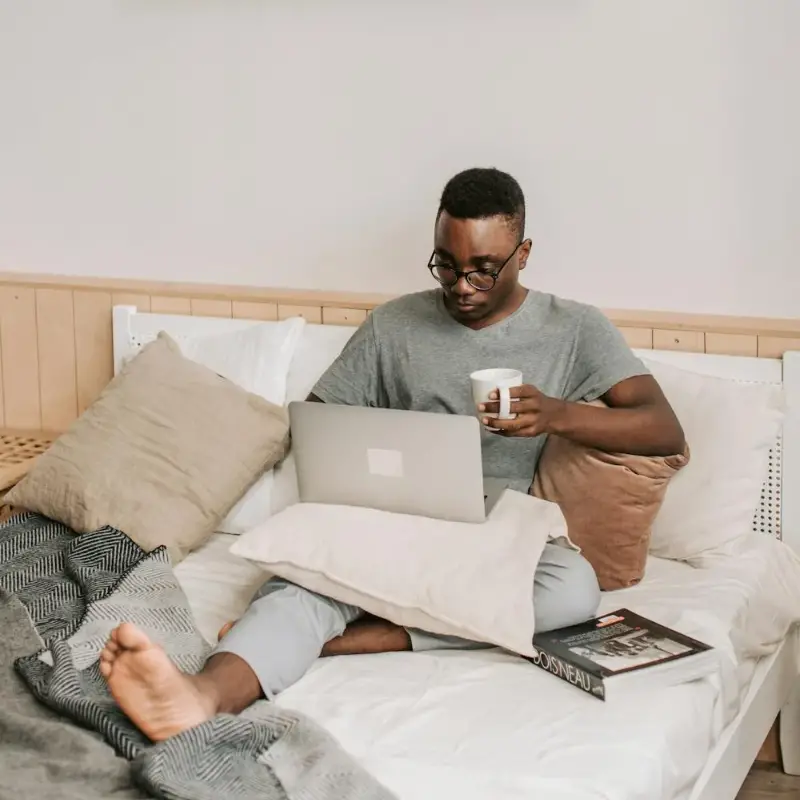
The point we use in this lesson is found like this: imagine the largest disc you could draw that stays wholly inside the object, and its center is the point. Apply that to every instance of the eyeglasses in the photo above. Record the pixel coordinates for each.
(480, 279)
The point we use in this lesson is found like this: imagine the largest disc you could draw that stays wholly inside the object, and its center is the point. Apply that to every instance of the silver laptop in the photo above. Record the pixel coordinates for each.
(409, 462)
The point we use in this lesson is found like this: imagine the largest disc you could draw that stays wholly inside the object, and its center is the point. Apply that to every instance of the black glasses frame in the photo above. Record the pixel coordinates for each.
(459, 274)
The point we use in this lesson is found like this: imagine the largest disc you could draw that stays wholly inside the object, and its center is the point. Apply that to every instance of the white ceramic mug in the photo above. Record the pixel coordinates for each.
(485, 381)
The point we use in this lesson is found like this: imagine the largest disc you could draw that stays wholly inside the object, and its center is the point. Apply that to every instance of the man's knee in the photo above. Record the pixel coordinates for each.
(566, 591)
(278, 592)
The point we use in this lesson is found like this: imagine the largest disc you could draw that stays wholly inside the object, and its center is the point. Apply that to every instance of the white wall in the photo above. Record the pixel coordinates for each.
(304, 143)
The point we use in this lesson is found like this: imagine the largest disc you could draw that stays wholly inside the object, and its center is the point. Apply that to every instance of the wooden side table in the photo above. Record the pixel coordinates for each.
(18, 453)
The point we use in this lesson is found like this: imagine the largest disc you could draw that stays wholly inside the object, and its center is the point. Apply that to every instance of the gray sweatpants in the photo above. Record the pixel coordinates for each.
(285, 627)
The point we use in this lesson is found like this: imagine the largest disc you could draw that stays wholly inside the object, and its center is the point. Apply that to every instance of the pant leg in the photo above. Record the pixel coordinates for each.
(565, 592)
(283, 631)
(565, 589)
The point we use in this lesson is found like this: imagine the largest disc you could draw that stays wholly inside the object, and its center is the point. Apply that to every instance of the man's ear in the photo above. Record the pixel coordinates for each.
(524, 252)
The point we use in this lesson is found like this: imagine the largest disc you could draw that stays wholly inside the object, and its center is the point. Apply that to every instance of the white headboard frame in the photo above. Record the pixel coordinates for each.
(779, 512)
(791, 451)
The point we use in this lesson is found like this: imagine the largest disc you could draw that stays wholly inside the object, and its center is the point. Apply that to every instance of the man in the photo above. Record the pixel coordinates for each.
(417, 352)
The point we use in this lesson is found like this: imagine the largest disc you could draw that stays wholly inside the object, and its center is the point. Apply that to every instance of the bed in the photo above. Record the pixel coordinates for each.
(483, 724)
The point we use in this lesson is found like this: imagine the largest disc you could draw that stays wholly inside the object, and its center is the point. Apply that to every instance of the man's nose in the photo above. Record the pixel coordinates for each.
(462, 287)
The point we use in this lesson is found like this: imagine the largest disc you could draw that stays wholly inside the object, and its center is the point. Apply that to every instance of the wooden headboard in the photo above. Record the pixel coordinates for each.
(56, 348)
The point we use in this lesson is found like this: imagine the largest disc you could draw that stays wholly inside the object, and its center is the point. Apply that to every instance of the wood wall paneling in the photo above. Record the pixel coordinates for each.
(732, 344)
(48, 376)
(141, 301)
(343, 316)
(93, 345)
(204, 307)
(299, 297)
(776, 346)
(243, 309)
(639, 338)
(172, 290)
(685, 341)
(2, 405)
(309, 313)
(721, 323)
(170, 305)
(55, 322)
(21, 394)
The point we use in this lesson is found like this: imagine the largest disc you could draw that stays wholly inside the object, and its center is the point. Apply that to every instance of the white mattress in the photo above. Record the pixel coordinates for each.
(489, 726)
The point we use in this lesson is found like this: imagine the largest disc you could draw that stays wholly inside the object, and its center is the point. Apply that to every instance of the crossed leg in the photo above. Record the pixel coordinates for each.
(283, 632)
(162, 701)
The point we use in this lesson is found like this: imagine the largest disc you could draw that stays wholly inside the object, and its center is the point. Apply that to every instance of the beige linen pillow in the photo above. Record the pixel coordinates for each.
(609, 500)
(163, 454)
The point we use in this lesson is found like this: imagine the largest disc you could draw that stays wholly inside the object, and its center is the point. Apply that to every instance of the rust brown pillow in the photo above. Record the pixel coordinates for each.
(609, 501)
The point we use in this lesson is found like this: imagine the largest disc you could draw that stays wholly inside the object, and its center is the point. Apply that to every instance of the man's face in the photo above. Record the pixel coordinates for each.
(479, 245)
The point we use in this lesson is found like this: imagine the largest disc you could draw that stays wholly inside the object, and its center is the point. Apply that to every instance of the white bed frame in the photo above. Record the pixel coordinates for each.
(775, 687)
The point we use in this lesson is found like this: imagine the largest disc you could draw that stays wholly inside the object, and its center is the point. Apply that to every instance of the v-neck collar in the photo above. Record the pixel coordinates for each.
(442, 308)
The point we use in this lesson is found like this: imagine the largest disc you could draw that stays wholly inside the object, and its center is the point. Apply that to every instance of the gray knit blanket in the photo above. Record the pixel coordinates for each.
(61, 733)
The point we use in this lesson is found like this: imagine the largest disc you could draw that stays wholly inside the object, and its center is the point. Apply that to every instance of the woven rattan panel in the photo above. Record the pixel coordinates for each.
(18, 452)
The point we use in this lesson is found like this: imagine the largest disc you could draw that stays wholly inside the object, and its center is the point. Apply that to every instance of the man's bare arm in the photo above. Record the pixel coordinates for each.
(639, 420)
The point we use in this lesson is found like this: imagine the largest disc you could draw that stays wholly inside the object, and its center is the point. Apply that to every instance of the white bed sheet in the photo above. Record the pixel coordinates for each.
(486, 725)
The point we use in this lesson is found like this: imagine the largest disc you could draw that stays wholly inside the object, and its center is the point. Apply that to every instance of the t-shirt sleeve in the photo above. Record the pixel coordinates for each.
(354, 377)
(602, 358)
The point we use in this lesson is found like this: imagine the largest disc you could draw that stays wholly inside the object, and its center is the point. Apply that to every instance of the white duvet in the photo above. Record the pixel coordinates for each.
(486, 725)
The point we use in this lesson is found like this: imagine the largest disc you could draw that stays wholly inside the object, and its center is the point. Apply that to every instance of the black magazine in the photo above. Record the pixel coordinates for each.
(618, 648)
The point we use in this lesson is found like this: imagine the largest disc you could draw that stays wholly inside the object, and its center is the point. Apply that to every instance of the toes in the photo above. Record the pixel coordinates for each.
(112, 646)
(105, 668)
(107, 655)
(131, 638)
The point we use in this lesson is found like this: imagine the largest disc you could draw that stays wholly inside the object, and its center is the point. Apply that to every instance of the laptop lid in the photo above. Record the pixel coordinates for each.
(409, 462)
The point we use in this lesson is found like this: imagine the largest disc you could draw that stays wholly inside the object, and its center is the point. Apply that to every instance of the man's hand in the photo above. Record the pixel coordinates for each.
(536, 412)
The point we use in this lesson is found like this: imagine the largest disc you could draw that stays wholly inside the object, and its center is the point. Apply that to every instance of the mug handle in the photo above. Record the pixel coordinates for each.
(504, 393)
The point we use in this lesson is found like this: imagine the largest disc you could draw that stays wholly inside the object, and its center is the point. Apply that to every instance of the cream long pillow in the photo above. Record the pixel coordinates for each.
(469, 580)
(162, 455)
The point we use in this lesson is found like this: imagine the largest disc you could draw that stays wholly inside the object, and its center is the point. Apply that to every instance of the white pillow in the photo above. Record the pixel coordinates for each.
(317, 349)
(453, 578)
(730, 428)
(285, 488)
(257, 359)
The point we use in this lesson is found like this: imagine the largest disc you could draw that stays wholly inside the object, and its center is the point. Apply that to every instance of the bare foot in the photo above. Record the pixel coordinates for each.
(159, 699)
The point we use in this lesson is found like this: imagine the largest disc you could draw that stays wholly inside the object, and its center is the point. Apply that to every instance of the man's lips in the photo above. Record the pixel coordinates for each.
(461, 305)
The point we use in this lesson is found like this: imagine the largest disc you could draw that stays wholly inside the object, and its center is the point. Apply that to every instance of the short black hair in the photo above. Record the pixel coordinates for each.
(482, 192)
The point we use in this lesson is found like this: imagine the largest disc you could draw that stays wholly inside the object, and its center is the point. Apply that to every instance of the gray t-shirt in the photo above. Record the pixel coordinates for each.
(411, 354)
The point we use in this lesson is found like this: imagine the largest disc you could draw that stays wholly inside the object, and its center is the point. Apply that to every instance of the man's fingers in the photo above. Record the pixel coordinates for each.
(512, 433)
(504, 425)
(520, 406)
(523, 425)
(526, 390)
